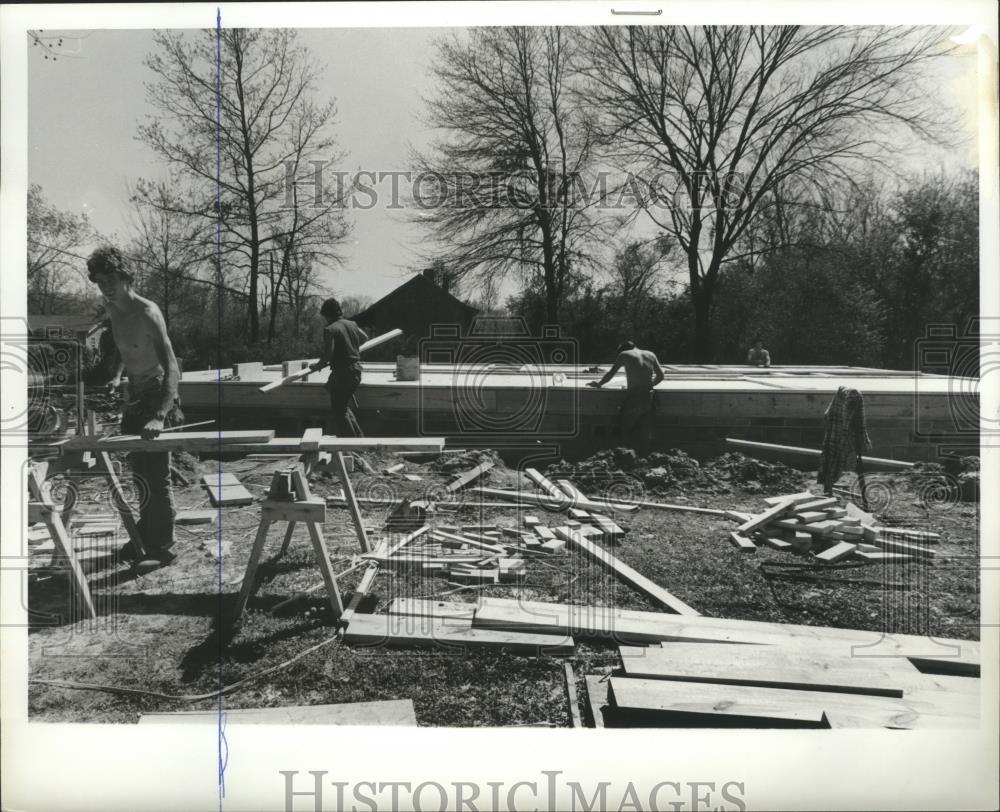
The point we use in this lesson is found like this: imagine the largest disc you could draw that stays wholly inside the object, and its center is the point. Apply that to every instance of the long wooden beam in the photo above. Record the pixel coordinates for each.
(626, 574)
(755, 449)
(261, 442)
(527, 498)
(368, 345)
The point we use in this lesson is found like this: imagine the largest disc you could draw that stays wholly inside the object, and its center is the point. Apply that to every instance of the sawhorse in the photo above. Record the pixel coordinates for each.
(42, 509)
(289, 499)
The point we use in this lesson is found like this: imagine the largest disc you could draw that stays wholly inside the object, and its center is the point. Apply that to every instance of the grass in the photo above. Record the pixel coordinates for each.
(160, 632)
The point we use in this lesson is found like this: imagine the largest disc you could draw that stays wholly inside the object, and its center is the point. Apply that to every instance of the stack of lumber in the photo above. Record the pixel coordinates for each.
(489, 553)
(680, 684)
(471, 554)
(829, 531)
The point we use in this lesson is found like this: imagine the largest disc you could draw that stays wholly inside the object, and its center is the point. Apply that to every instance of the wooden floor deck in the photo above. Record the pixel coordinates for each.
(551, 410)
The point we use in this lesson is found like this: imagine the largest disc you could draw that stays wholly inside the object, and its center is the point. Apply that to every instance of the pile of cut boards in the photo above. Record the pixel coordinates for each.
(685, 671)
(487, 553)
(830, 532)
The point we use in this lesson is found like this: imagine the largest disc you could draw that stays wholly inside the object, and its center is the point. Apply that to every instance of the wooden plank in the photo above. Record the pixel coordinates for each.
(547, 486)
(572, 703)
(121, 505)
(352, 503)
(621, 625)
(765, 667)
(196, 517)
(817, 504)
(905, 547)
(570, 490)
(810, 516)
(823, 528)
(610, 530)
(769, 515)
(922, 536)
(192, 441)
(468, 476)
(838, 552)
(464, 539)
(393, 712)
(597, 699)
(553, 546)
(663, 702)
(670, 703)
(365, 584)
(876, 557)
(224, 490)
(526, 498)
(451, 633)
(776, 543)
(311, 438)
(772, 449)
(793, 498)
(626, 574)
(438, 610)
(742, 543)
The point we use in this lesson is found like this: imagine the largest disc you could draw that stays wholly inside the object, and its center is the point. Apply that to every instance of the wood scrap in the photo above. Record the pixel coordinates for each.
(225, 490)
(471, 475)
(625, 573)
(741, 542)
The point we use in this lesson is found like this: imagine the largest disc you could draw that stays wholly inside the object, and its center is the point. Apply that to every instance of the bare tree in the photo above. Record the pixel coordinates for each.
(254, 116)
(169, 249)
(54, 239)
(507, 194)
(718, 119)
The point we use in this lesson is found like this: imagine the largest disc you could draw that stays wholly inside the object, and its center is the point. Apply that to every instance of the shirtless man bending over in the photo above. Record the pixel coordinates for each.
(151, 402)
(642, 374)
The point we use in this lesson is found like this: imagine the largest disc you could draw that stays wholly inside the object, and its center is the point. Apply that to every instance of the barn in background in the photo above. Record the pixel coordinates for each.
(415, 307)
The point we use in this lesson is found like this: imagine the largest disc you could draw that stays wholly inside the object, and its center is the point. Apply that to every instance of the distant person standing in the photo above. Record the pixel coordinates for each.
(642, 374)
(758, 356)
(342, 339)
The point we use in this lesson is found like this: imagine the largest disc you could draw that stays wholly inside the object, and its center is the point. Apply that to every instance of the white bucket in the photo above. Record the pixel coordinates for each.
(407, 369)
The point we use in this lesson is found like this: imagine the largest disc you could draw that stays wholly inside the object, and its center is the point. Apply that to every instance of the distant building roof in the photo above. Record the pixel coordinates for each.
(418, 301)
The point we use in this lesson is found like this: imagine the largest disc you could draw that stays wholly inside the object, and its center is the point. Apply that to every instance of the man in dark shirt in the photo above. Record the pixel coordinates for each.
(342, 339)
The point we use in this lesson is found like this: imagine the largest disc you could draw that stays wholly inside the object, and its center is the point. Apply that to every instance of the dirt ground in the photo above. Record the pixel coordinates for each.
(161, 633)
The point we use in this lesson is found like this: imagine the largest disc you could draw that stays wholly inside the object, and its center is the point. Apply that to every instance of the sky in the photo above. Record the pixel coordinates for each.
(83, 112)
(84, 109)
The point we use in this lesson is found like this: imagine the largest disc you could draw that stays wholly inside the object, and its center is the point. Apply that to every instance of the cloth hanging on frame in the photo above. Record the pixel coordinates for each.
(846, 436)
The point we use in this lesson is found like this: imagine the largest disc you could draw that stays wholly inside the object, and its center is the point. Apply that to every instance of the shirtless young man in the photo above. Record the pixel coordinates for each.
(642, 374)
(151, 403)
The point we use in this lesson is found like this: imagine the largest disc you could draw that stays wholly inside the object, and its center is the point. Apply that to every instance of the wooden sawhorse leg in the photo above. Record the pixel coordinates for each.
(305, 508)
(42, 509)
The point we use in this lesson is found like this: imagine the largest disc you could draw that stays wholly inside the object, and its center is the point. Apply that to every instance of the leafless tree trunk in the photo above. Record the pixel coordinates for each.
(510, 165)
(717, 119)
(269, 131)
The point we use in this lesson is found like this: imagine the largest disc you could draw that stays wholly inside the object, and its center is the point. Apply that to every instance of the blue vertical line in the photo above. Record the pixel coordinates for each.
(222, 744)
